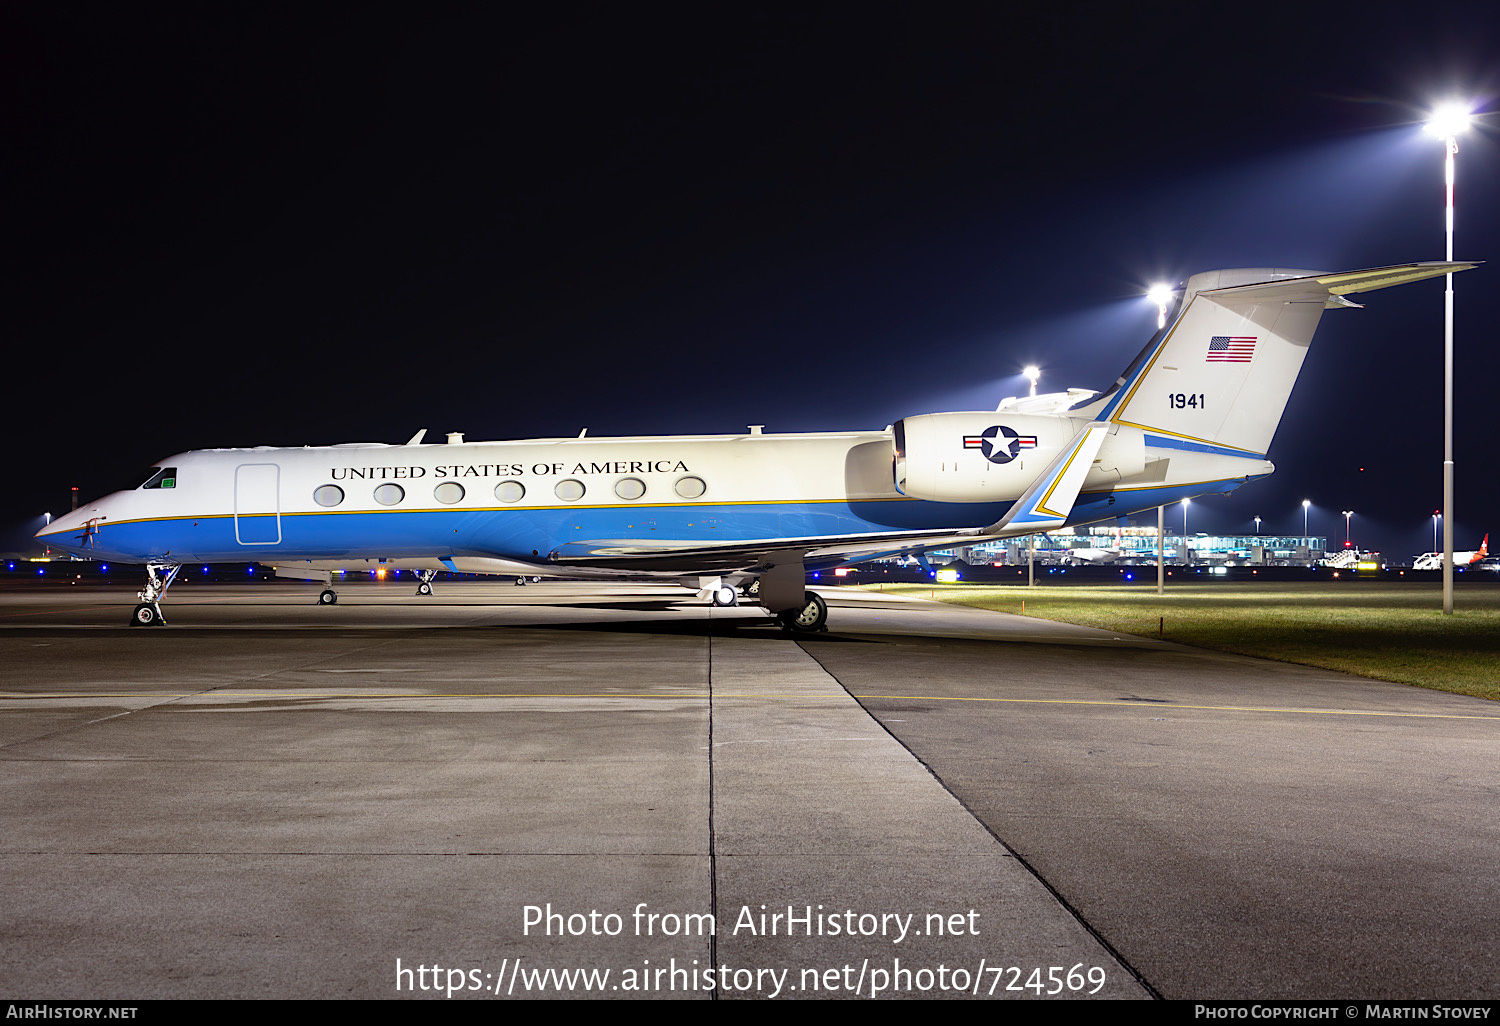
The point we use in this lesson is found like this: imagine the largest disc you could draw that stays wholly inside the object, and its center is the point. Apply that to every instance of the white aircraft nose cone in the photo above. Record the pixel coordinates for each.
(66, 530)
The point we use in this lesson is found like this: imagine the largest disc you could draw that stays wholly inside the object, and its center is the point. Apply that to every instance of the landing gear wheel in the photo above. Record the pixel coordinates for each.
(520, 582)
(724, 595)
(424, 588)
(811, 617)
(328, 597)
(751, 590)
(146, 615)
(536, 580)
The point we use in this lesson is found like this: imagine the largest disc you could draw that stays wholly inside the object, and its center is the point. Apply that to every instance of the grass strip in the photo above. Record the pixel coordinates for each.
(1394, 632)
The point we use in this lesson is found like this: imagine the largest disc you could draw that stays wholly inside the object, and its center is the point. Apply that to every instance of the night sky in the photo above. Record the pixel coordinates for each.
(279, 224)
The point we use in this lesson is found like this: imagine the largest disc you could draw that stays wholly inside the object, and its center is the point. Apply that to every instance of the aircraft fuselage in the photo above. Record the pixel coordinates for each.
(529, 501)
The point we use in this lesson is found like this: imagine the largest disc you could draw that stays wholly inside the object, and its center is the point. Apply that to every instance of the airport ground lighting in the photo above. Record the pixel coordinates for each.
(1447, 123)
(1305, 503)
(1257, 525)
(1186, 551)
(1033, 374)
(1347, 514)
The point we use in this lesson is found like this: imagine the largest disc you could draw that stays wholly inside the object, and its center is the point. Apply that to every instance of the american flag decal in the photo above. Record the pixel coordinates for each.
(1230, 349)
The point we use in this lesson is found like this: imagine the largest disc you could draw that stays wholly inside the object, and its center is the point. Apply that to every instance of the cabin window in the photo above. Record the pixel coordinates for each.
(448, 492)
(691, 487)
(569, 490)
(389, 494)
(164, 477)
(328, 495)
(630, 488)
(510, 491)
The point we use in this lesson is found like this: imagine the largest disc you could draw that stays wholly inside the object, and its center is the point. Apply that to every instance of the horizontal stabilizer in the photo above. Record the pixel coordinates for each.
(1342, 283)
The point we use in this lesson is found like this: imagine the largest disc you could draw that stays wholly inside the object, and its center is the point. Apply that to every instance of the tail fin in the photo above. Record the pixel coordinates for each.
(1222, 373)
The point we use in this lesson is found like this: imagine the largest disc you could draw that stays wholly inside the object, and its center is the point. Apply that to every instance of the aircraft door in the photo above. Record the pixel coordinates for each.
(257, 504)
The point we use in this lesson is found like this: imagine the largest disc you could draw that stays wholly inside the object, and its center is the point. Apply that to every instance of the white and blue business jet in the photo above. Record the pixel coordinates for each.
(1193, 414)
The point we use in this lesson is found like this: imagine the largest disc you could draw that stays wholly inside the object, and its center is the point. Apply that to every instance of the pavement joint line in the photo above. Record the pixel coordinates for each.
(169, 701)
(713, 852)
(1057, 895)
(289, 694)
(347, 852)
(295, 693)
(794, 741)
(1173, 705)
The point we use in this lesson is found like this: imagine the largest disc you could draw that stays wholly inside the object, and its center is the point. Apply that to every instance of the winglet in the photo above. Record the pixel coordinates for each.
(1047, 503)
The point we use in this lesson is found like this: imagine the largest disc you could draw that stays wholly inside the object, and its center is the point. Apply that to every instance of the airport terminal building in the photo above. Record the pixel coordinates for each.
(1129, 544)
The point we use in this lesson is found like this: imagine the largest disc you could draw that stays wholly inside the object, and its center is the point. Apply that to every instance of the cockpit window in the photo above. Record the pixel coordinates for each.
(162, 477)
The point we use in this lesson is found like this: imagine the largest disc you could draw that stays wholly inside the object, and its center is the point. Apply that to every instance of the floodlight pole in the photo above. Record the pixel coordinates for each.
(1030, 560)
(1446, 123)
(1451, 150)
(1187, 555)
(1161, 548)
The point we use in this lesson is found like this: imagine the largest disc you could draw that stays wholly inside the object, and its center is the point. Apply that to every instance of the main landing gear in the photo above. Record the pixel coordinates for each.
(811, 617)
(159, 577)
(425, 586)
(328, 597)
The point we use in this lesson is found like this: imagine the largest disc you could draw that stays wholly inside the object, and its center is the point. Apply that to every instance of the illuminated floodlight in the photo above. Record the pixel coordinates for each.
(1448, 120)
(1161, 295)
(1032, 373)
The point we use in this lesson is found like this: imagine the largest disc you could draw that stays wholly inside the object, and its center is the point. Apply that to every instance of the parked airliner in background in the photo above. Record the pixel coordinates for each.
(1434, 560)
(1194, 413)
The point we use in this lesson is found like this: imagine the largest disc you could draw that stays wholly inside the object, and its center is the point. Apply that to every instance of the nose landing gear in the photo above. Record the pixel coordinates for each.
(159, 577)
(425, 587)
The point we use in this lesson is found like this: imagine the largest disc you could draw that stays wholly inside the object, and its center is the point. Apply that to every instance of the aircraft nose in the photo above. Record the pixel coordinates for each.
(66, 531)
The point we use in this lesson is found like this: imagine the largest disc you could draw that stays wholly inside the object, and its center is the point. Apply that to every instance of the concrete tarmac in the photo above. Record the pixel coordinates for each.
(496, 785)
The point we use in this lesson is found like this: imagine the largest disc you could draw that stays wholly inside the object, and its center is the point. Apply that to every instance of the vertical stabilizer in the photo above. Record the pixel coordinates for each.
(1222, 374)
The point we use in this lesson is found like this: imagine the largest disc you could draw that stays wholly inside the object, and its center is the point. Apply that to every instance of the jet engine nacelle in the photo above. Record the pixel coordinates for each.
(994, 457)
(975, 457)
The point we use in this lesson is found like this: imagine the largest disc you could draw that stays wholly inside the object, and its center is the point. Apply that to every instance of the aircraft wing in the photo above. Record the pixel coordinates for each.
(1045, 506)
(696, 556)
